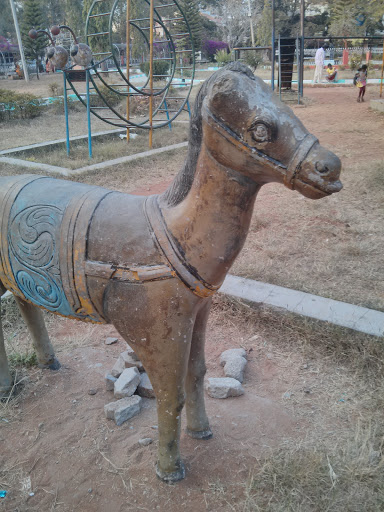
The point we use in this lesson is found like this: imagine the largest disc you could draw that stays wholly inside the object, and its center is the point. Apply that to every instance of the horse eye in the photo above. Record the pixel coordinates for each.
(260, 133)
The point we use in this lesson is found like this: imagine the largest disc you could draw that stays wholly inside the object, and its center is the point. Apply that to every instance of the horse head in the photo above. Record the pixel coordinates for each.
(248, 129)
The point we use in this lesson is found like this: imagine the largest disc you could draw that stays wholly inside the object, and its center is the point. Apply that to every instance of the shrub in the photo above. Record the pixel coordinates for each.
(210, 48)
(355, 61)
(160, 67)
(341, 67)
(253, 59)
(223, 57)
(55, 89)
(19, 106)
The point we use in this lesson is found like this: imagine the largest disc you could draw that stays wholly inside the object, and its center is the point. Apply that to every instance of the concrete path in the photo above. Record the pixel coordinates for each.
(358, 318)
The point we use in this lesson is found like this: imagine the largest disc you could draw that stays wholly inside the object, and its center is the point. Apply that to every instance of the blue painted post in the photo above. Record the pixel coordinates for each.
(89, 116)
(66, 113)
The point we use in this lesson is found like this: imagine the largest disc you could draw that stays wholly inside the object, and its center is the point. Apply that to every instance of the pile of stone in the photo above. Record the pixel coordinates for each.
(129, 383)
(234, 362)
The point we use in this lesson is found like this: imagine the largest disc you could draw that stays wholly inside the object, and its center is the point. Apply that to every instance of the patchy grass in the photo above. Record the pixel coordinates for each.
(335, 379)
(103, 149)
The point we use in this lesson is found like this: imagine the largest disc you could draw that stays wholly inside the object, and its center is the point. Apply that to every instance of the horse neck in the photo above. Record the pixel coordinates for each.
(211, 223)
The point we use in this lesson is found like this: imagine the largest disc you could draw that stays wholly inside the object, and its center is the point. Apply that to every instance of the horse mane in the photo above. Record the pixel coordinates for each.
(182, 183)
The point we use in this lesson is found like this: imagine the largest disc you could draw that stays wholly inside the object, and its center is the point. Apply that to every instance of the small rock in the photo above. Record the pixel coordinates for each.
(234, 367)
(90, 490)
(92, 392)
(118, 368)
(230, 353)
(145, 388)
(123, 409)
(132, 353)
(223, 387)
(130, 361)
(374, 458)
(127, 383)
(111, 341)
(145, 441)
(110, 382)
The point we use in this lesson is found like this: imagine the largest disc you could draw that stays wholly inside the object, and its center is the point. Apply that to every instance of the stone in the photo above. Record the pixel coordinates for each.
(230, 353)
(122, 410)
(145, 441)
(234, 367)
(132, 353)
(145, 388)
(110, 382)
(92, 392)
(223, 387)
(130, 362)
(111, 341)
(127, 383)
(118, 368)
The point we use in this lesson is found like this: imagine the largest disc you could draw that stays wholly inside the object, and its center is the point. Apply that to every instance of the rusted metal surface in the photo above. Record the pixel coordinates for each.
(150, 265)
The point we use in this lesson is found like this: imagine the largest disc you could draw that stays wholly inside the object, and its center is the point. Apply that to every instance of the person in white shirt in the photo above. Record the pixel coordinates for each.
(319, 62)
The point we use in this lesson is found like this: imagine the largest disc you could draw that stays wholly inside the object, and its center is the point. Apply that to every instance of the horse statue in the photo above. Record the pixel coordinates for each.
(150, 265)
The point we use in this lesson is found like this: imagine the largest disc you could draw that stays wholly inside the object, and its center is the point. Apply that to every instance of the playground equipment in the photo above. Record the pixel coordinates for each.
(157, 35)
(57, 54)
(150, 265)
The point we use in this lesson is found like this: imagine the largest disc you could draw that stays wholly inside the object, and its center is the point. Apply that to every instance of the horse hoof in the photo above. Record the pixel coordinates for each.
(200, 434)
(174, 476)
(55, 365)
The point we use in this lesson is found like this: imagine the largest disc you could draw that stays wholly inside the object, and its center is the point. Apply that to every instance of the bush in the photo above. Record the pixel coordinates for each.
(210, 48)
(253, 59)
(160, 67)
(14, 105)
(355, 61)
(55, 89)
(223, 57)
(341, 67)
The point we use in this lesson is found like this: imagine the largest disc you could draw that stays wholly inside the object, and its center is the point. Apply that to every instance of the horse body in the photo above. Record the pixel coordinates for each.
(150, 265)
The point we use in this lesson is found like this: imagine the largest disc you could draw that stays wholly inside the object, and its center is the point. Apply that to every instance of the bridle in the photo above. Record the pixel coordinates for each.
(289, 172)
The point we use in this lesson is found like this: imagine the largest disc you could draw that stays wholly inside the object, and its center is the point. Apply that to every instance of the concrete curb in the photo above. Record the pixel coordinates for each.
(34, 165)
(354, 317)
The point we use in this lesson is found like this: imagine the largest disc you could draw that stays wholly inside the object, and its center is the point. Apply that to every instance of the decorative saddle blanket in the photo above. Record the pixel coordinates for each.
(43, 243)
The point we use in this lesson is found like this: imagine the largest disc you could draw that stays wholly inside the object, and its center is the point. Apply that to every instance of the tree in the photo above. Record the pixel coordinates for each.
(235, 29)
(7, 28)
(343, 18)
(194, 19)
(264, 29)
(33, 17)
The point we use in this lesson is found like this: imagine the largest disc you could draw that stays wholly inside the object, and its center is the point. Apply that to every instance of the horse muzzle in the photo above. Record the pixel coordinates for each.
(318, 174)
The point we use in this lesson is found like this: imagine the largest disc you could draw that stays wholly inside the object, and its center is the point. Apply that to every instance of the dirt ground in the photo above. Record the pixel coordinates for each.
(312, 406)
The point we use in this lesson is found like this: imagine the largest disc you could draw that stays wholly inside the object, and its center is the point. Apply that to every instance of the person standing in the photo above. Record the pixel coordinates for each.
(319, 63)
(361, 81)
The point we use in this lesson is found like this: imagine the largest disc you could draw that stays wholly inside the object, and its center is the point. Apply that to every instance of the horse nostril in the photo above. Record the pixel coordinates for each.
(321, 168)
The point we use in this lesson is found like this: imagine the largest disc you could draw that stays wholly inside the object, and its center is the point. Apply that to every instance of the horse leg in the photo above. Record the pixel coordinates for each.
(5, 374)
(166, 366)
(197, 420)
(33, 317)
